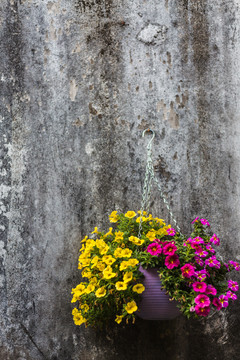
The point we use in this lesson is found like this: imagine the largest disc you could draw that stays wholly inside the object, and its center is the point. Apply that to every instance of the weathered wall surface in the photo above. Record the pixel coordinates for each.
(80, 80)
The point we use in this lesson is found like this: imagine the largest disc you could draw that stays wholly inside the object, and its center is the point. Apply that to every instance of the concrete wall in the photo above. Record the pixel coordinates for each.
(80, 80)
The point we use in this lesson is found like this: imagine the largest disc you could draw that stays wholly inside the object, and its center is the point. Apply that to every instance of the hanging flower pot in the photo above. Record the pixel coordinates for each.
(155, 304)
(191, 273)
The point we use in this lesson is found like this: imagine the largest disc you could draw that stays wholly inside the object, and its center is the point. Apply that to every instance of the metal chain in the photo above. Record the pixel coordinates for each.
(149, 177)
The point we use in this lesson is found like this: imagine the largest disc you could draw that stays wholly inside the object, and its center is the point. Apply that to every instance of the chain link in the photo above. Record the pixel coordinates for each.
(149, 178)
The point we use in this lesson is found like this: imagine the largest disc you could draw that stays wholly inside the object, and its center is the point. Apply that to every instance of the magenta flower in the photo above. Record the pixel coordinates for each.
(169, 249)
(171, 231)
(196, 219)
(202, 300)
(202, 253)
(233, 285)
(213, 262)
(210, 249)
(201, 275)
(211, 290)
(187, 270)
(199, 286)
(234, 264)
(227, 266)
(205, 222)
(223, 300)
(215, 240)
(198, 240)
(231, 295)
(172, 261)
(216, 302)
(154, 249)
(202, 311)
(199, 261)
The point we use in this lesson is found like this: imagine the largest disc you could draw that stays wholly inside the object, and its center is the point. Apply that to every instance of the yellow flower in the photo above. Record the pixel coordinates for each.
(108, 233)
(94, 261)
(85, 239)
(101, 292)
(76, 296)
(90, 288)
(95, 231)
(120, 285)
(108, 259)
(104, 250)
(118, 252)
(119, 319)
(113, 217)
(86, 273)
(101, 266)
(132, 262)
(127, 276)
(77, 317)
(77, 292)
(135, 240)
(118, 236)
(142, 212)
(107, 273)
(84, 262)
(90, 244)
(85, 307)
(130, 214)
(100, 243)
(138, 288)
(93, 280)
(151, 235)
(143, 219)
(162, 231)
(126, 252)
(131, 307)
(124, 265)
(159, 221)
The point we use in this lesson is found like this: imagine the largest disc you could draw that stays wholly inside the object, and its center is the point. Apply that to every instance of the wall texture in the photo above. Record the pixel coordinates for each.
(80, 80)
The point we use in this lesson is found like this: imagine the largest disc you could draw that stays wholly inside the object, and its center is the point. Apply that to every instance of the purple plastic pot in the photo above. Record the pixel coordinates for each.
(155, 304)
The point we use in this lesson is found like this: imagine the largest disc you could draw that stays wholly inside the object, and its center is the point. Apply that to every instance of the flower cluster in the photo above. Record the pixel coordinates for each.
(112, 283)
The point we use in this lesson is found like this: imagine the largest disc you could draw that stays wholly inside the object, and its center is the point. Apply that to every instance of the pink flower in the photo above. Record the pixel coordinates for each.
(233, 285)
(171, 231)
(199, 261)
(205, 222)
(196, 219)
(215, 240)
(202, 311)
(210, 249)
(227, 266)
(202, 253)
(202, 274)
(192, 308)
(216, 302)
(187, 270)
(213, 262)
(199, 286)
(223, 300)
(231, 295)
(154, 249)
(198, 240)
(172, 261)
(169, 249)
(235, 265)
(202, 300)
(211, 290)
